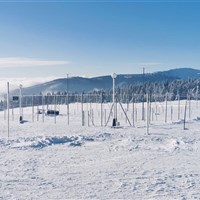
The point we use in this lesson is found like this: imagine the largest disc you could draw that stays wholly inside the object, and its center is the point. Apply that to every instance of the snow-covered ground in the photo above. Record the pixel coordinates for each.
(44, 158)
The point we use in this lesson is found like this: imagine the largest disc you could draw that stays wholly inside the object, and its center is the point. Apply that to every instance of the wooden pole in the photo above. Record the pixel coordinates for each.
(42, 108)
(184, 128)
(166, 109)
(147, 96)
(55, 109)
(133, 110)
(178, 107)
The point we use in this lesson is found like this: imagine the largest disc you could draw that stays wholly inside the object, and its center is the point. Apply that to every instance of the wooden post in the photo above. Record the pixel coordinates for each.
(189, 98)
(101, 108)
(37, 112)
(143, 118)
(133, 110)
(55, 109)
(83, 118)
(178, 107)
(88, 118)
(166, 109)
(105, 115)
(42, 108)
(147, 96)
(184, 128)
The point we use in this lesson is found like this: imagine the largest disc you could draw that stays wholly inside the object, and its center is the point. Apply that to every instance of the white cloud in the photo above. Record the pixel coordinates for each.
(25, 81)
(28, 62)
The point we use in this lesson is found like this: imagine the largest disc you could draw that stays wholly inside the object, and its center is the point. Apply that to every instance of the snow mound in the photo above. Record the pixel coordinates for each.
(40, 142)
(178, 144)
(159, 144)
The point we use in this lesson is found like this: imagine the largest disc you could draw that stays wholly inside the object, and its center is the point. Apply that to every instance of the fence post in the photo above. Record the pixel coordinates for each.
(178, 107)
(88, 118)
(143, 107)
(68, 109)
(83, 118)
(42, 108)
(189, 98)
(105, 115)
(147, 96)
(37, 112)
(133, 110)
(184, 121)
(32, 108)
(166, 108)
(55, 109)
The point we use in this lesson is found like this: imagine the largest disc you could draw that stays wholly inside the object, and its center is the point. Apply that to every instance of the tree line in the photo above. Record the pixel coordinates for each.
(158, 91)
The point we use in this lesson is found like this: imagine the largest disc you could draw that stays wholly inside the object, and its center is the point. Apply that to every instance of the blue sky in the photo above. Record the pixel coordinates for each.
(92, 38)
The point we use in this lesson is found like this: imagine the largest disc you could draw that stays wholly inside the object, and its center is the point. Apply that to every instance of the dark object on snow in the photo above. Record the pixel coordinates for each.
(15, 98)
(114, 122)
(20, 118)
(40, 111)
(52, 112)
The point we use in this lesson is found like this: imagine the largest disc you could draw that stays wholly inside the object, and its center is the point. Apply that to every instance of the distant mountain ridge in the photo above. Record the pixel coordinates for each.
(80, 84)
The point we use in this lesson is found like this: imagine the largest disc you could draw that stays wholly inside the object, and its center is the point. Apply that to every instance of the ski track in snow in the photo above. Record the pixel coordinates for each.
(63, 162)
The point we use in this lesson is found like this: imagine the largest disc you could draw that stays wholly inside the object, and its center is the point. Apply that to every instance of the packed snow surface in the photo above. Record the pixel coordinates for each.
(48, 160)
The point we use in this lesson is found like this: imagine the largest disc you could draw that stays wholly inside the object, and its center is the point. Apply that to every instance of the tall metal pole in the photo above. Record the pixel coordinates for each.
(148, 113)
(178, 106)
(32, 108)
(133, 98)
(114, 76)
(55, 105)
(67, 83)
(20, 103)
(8, 108)
(166, 107)
(114, 95)
(143, 95)
(68, 99)
(82, 111)
(101, 108)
